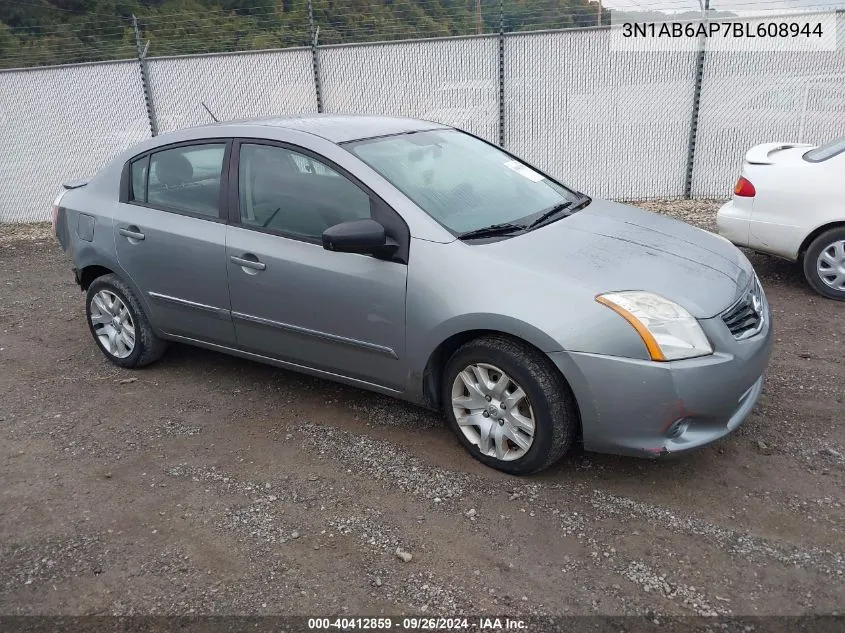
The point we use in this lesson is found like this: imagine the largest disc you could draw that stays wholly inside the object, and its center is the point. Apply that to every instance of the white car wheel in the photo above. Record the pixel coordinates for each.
(824, 264)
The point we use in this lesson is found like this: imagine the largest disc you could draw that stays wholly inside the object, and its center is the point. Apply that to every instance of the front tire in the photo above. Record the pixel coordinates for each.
(508, 405)
(824, 264)
(118, 324)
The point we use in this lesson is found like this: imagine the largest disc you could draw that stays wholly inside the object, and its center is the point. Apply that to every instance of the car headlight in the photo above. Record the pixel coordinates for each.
(668, 330)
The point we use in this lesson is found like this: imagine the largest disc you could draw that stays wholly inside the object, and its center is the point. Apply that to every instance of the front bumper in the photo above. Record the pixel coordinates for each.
(644, 408)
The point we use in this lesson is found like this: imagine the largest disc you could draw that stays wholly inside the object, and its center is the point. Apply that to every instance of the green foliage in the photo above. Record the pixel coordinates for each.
(9, 43)
(66, 31)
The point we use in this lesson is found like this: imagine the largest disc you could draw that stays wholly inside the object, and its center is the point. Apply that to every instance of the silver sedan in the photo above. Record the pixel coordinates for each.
(416, 260)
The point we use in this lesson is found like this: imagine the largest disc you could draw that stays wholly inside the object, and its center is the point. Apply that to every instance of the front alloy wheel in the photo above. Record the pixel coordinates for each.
(493, 412)
(508, 404)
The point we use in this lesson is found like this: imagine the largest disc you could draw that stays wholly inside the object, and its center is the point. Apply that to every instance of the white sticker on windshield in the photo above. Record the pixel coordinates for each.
(524, 170)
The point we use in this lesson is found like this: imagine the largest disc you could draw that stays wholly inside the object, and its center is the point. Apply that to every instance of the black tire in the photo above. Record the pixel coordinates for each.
(551, 400)
(811, 257)
(148, 347)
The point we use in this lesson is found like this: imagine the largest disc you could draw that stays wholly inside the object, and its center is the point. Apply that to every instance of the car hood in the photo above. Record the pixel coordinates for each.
(609, 246)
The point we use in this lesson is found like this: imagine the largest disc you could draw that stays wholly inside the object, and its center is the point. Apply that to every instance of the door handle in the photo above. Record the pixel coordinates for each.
(132, 232)
(248, 261)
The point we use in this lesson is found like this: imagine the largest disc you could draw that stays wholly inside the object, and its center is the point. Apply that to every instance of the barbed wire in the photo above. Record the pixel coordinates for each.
(263, 26)
(48, 6)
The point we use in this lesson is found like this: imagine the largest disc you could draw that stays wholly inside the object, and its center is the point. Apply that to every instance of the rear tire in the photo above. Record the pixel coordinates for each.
(118, 324)
(508, 405)
(824, 264)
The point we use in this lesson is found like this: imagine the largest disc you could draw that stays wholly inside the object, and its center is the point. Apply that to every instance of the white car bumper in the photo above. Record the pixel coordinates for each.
(733, 221)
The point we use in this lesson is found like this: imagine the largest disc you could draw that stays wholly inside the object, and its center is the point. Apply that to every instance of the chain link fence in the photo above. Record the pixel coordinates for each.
(231, 85)
(60, 123)
(452, 81)
(611, 123)
(750, 98)
(621, 125)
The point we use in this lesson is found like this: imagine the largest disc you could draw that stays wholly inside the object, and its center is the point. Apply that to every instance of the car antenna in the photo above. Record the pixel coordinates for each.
(216, 120)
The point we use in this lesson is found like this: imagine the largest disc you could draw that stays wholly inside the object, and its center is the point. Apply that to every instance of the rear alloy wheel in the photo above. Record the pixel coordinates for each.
(112, 323)
(119, 325)
(824, 264)
(508, 405)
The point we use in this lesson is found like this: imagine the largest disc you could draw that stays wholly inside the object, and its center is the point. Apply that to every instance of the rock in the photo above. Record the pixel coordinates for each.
(126, 381)
(404, 556)
(833, 453)
(378, 581)
(470, 513)
(294, 534)
(762, 445)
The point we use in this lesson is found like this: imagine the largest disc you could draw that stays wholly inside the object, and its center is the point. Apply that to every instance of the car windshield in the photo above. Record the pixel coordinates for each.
(819, 154)
(460, 181)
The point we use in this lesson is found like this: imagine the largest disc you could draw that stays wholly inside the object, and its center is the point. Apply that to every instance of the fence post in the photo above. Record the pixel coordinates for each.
(501, 73)
(315, 61)
(145, 78)
(696, 104)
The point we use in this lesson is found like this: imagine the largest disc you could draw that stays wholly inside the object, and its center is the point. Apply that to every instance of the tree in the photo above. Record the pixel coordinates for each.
(61, 31)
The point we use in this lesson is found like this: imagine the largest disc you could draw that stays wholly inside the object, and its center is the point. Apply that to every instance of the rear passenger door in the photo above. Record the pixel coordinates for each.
(170, 236)
(341, 313)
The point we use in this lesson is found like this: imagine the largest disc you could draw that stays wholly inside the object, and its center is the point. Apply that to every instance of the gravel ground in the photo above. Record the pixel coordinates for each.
(206, 484)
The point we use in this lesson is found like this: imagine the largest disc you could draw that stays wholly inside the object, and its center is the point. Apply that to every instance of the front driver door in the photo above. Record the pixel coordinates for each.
(341, 313)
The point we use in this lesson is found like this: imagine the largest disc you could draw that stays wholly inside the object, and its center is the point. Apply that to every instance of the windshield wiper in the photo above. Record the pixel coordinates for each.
(550, 213)
(583, 202)
(492, 230)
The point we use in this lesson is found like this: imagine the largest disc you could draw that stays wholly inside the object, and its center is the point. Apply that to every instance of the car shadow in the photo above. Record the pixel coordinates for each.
(362, 411)
(774, 270)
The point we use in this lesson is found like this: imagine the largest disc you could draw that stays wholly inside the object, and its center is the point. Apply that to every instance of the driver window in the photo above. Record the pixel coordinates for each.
(295, 194)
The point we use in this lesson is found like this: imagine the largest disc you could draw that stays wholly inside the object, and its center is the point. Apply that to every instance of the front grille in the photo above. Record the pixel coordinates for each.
(745, 317)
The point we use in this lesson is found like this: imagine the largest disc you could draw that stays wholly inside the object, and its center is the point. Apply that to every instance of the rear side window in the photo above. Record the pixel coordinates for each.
(824, 152)
(138, 191)
(183, 179)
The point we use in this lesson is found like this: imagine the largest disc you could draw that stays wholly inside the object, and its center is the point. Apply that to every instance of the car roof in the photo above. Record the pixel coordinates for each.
(339, 128)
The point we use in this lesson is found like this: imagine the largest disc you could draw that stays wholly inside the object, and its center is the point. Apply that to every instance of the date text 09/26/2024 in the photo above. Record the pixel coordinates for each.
(418, 624)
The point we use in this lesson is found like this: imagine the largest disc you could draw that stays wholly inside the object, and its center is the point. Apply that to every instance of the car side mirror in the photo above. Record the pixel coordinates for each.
(366, 237)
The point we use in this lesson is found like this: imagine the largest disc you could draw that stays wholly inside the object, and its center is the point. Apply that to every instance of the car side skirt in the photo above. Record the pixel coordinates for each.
(267, 360)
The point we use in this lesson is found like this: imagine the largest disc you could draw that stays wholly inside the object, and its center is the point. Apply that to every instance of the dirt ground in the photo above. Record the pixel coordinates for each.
(206, 484)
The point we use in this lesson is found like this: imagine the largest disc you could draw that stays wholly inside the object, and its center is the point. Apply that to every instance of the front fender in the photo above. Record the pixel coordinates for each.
(422, 348)
(449, 292)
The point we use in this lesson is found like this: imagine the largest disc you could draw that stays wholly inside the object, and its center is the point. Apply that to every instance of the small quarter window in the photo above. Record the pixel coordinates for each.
(138, 192)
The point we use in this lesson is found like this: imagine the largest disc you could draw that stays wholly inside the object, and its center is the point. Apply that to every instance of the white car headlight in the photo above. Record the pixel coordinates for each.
(668, 330)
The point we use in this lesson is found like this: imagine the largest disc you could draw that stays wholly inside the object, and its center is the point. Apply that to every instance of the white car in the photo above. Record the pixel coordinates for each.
(789, 201)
